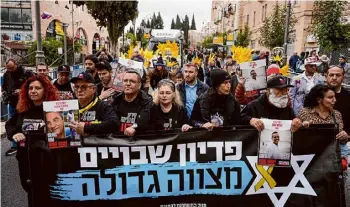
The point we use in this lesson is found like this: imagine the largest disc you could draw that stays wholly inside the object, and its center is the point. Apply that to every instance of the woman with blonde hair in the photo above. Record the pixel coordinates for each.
(168, 111)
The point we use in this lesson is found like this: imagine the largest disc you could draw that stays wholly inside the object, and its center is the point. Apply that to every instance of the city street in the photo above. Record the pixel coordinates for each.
(12, 194)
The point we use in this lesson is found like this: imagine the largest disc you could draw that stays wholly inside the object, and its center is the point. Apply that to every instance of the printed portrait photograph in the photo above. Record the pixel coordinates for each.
(255, 78)
(56, 124)
(70, 116)
(275, 145)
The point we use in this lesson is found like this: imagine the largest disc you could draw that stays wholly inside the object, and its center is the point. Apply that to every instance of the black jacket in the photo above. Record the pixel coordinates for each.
(175, 118)
(261, 108)
(342, 105)
(201, 89)
(156, 78)
(13, 81)
(35, 140)
(99, 118)
(145, 103)
(234, 82)
(209, 104)
(200, 73)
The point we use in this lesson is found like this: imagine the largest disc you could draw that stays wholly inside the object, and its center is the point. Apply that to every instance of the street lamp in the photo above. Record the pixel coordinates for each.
(39, 57)
(65, 25)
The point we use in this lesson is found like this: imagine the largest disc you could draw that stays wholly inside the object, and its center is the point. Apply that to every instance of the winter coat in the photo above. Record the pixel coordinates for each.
(13, 81)
(201, 89)
(99, 118)
(261, 108)
(209, 104)
(299, 91)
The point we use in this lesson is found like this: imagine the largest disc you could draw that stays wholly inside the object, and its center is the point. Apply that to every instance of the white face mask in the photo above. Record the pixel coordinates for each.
(279, 102)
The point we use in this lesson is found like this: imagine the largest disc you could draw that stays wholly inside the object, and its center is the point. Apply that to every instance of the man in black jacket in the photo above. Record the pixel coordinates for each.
(334, 78)
(14, 78)
(133, 105)
(191, 88)
(96, 116)
(275, 104)
(217, 107)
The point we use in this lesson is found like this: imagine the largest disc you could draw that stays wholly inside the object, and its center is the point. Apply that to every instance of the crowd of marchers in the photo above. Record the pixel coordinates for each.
(187, 97)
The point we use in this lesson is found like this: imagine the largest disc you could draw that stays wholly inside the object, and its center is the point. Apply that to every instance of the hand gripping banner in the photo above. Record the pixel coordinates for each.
(194, 169)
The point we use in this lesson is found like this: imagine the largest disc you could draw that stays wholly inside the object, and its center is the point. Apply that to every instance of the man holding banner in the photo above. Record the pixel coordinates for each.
(272, 105)
(133, 105)
(96, 117)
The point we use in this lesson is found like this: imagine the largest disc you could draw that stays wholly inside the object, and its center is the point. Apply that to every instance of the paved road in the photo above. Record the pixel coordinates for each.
(12, 194)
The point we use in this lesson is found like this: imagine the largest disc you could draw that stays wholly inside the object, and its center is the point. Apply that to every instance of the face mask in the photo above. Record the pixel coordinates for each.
(279, 102)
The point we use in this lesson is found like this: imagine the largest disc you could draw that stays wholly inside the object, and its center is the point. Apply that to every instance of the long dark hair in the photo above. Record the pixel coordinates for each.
(316, 93)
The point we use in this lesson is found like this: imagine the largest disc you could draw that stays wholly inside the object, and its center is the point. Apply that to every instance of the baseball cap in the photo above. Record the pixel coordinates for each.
(279, 82)
(219, 76)
(83, 76)
(103, 65)
(63, 68)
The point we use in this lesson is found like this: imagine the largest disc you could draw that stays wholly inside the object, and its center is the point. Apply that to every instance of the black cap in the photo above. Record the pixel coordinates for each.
(219, 76)
(63, 68)
(83, 76)
(103, 65)
(279, 82)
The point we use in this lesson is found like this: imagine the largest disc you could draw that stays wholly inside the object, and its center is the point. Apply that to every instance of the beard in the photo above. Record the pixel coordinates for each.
(279, 102)
(90, 70)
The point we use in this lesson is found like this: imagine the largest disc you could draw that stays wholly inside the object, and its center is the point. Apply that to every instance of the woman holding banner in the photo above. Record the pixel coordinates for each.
(318, 109)
(34, 92)
(168, 111)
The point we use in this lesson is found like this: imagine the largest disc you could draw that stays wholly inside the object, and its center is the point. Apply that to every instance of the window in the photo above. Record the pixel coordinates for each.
(4, 15)
(82, 7)
(262, 13)
(296, 2)
(254, 19)
(26, 16)
(15, 15)
(265, 13)
(247, 22)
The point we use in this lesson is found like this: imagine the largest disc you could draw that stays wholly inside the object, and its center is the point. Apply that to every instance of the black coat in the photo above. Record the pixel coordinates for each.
(145, 103)
(13, 81)
(261, 108)
(201, 89)
(39, 155)
(104, 116)
(209, 104)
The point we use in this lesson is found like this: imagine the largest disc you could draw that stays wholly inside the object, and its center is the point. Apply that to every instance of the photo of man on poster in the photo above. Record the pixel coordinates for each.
(273, 152)
(55, 124)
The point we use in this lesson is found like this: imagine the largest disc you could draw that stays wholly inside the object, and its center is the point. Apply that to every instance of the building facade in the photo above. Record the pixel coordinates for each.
(18, 23)
(253, 13)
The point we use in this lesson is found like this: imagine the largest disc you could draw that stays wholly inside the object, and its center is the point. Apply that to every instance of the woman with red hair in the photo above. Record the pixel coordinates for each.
(29, 112)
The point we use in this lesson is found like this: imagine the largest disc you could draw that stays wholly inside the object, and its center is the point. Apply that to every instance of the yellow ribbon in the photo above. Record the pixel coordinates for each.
(89, 106)
(266, 176)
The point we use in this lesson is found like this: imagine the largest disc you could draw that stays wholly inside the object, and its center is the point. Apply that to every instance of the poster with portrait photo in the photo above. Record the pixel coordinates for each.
(122, 66)
(58, 114)
(275, 143)
(32, 127)
(255, 75)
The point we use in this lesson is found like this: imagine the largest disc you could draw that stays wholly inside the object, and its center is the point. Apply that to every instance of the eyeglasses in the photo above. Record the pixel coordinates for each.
(82, 87)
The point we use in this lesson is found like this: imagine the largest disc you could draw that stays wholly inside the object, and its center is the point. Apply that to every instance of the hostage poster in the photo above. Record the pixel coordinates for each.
(58, 114)
(122, 66)
(255, 75)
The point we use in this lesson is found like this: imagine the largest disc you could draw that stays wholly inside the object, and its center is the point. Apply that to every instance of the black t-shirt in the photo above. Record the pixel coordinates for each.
(127, 113)
(175, 118)
(65, 90)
